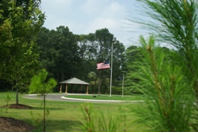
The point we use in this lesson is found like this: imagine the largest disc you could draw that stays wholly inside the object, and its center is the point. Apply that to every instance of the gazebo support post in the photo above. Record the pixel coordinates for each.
(66, 89)
(87, 90)
(60, 88)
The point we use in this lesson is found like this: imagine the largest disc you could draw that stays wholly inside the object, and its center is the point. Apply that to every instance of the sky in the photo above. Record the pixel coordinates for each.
(87, 16)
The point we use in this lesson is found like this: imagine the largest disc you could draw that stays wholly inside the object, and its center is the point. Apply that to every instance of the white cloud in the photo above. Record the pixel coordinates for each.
(87, 16)
(110, 15)
(114, 10)
(93, 6)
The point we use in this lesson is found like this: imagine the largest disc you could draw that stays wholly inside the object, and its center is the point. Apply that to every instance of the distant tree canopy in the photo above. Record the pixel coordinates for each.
(66, 55)
(58, 52)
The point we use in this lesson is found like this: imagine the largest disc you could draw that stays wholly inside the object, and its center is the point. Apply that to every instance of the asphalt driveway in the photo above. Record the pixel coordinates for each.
(61, 97)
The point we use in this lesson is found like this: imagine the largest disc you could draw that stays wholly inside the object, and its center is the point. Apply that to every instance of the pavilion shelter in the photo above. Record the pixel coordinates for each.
(73, 81)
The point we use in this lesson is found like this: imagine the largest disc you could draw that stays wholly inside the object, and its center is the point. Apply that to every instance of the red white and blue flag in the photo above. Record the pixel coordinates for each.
(104, 65)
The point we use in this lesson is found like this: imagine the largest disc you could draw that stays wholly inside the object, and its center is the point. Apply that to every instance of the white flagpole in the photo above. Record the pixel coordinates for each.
(111, 68)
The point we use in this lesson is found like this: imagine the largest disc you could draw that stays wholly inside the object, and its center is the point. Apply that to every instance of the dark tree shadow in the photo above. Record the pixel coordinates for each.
(58, 126)
(52, 108)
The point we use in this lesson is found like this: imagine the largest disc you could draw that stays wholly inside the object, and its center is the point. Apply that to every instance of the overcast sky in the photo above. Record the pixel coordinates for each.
(86, 16)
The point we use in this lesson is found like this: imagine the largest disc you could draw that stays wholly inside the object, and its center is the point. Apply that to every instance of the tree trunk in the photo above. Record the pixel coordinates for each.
(44, 113)
(17, 96)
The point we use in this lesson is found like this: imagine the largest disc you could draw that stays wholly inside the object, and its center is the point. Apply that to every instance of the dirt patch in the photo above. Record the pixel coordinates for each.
(18, 106)
(8, 124)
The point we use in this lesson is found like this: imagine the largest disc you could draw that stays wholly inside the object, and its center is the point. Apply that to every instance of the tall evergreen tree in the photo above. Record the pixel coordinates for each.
(175, 23)
(168, 96)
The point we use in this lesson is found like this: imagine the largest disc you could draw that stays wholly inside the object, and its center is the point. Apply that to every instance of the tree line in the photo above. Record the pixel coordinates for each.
(27, 47)
(65, 55)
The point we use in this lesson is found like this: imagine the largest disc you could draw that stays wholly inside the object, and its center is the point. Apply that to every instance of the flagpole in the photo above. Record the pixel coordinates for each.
(111, 68)
(99, 83)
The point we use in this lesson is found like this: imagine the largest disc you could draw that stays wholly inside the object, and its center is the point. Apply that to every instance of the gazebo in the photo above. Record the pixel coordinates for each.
(73, 81)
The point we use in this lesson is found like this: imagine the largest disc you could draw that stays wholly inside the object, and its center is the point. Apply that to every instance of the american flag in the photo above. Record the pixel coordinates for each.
(104, 65)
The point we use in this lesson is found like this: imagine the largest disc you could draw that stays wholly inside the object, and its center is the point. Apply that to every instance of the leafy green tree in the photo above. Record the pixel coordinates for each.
(58, 52)
(83, 56)
(41, 85)
(93, 77)
(20, 22)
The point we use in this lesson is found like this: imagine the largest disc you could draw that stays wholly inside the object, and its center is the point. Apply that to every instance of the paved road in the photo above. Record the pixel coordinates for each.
(61, 97)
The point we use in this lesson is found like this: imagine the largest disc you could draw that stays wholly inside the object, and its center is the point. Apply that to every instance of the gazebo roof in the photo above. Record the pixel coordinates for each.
(74, 81)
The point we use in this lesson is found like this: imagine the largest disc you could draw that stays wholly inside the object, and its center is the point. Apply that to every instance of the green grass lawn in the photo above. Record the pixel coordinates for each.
(67, 116)
(107, 97)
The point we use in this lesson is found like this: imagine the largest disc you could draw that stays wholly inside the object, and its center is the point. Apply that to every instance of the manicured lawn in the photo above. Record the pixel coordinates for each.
(67, 116)
(107, 97)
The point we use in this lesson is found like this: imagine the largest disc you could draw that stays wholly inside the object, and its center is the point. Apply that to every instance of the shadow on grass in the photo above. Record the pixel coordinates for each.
(57, 126)
(29, 108)
(41, 108)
